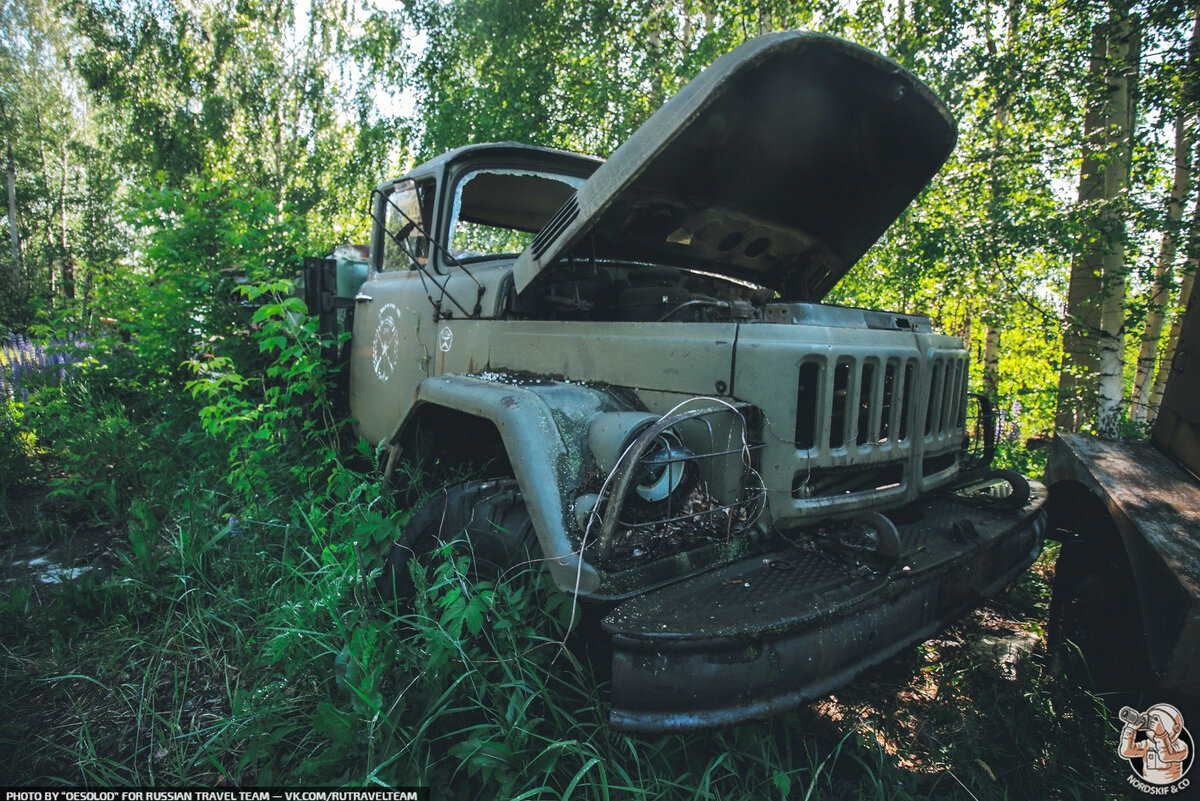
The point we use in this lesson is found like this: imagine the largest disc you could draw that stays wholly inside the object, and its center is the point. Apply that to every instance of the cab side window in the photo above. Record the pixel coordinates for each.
(408, 211)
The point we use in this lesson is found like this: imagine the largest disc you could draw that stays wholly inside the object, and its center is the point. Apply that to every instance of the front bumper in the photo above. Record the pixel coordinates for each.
(773, 631)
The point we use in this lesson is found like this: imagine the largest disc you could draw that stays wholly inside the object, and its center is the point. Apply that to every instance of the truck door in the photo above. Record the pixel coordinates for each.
(394, 332)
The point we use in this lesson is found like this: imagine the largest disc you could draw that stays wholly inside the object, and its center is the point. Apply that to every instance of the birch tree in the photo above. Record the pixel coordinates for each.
(1125, 46)
(1186, 289)
(1076, 383)
(1090, 383)
(999, 125)
(1185, 121)
(14, 228)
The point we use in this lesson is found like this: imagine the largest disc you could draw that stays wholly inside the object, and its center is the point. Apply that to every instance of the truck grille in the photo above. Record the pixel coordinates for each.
(947, 392)
(859, 404)
(861, 420)
(945, 413)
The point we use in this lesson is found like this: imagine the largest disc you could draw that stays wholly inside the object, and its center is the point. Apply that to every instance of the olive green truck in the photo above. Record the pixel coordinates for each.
(763, 495)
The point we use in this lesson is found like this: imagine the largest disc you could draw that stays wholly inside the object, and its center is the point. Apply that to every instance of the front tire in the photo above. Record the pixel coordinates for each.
(486, 521)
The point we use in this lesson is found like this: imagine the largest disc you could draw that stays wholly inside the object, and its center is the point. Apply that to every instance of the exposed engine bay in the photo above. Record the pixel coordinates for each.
(607, 290)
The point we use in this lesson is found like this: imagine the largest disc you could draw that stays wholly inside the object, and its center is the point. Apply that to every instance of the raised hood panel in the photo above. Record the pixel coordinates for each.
(779, 164)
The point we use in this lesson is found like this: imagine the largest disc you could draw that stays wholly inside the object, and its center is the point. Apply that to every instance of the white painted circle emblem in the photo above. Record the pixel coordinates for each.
(445, 339)
(386, 344)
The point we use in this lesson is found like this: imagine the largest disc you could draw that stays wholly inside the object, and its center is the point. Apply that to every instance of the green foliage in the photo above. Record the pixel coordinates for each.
(277, 427)
(246, 652)
(16, 448)
(203, 241)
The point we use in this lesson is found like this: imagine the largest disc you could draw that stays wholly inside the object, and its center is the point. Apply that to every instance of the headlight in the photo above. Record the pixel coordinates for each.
(662, 467)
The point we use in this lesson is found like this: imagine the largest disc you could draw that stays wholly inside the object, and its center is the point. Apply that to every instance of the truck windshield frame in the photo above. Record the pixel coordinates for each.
(407, 213)
(495, 211)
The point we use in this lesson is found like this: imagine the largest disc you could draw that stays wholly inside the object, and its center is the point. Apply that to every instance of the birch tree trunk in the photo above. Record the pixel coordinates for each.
(1076, 401)
(1124, 46)
(765, 19)
(1156, 313)
(991, 338)
(991, 361)
(68, 262)
(14, 229)
(1186, 283)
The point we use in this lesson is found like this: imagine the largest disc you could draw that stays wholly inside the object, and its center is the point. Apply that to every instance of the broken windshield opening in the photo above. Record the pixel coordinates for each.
(497, 212)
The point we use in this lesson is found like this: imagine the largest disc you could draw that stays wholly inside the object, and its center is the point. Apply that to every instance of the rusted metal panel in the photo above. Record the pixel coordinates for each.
(1156, 507)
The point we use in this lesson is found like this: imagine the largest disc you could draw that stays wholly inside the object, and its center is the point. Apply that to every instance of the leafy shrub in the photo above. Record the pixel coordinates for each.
(277, 427)
(16, 448)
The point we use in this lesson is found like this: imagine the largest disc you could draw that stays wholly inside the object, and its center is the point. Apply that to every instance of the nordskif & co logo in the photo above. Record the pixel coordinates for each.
(1158, 748)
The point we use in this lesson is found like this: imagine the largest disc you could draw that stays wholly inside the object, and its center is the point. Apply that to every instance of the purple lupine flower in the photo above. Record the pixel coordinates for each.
(23, 356)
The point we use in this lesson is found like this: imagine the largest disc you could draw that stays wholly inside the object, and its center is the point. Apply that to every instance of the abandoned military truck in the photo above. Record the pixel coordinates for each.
(763, 493)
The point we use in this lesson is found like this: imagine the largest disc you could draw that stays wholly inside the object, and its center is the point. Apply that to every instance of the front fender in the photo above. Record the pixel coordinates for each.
(544, 427)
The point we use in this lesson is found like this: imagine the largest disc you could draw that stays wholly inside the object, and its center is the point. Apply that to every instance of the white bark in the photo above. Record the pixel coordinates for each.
(1139, 409)
(765, 18)
(1124, 49)
(1156, 314)
(1186, 283)
(14, 230)
(991, 361)
(991, 338)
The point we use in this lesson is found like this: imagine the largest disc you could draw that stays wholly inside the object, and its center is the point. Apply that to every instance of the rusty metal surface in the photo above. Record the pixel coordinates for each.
(1156, 507)
(751, 639)
(1143, 489)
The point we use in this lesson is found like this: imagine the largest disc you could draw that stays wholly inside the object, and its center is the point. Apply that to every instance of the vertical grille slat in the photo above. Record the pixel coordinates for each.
(961, 414)
(906, 394)
(886, 410)
(944, 401)
(840, 399)
(868, 408)
(934, 396)
(954, 395)
(807, 395)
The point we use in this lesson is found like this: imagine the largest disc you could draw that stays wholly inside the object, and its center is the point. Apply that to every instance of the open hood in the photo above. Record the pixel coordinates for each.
(780, 164)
